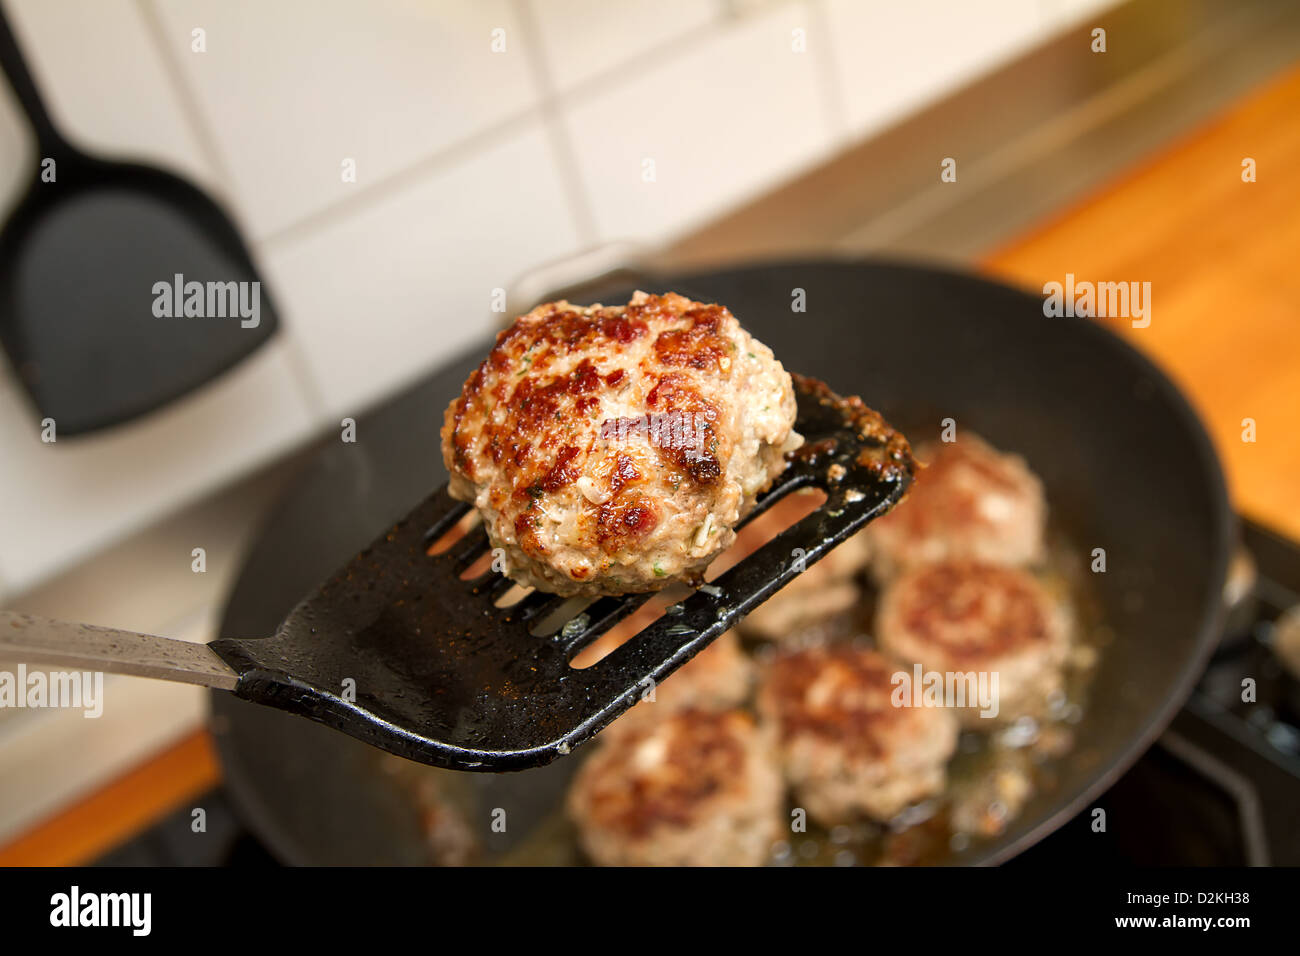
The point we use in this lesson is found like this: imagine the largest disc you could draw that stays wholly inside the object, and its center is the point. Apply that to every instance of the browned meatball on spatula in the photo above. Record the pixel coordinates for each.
(613, 449)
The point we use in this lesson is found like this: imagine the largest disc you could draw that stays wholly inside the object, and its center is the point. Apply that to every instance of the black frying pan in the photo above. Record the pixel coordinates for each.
(1126, 465)
(81, 257)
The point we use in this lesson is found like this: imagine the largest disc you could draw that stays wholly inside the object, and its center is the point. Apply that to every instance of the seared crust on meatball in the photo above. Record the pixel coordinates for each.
(970, 501)
(846, 749)
(612, 449)
(961, 617)
(697, 788)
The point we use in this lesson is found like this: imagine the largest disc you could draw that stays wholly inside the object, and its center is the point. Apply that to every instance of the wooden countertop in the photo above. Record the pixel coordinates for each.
(1222, 259)
(93, 826)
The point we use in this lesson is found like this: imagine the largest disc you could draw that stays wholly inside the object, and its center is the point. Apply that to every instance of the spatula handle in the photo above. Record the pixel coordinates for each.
(38, 640)
(48, 137)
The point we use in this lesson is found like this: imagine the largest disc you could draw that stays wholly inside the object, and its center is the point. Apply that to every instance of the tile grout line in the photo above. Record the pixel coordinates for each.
(398, 180)
(545, 110)
(308, 388)
(190, 106)
(828, 77)
(662, 52)
(448, 155)
(557, 136)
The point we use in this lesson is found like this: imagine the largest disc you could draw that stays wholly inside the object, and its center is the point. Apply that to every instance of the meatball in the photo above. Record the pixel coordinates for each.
(846, 748)
(696, 788)
(717, 678)
(824, 589)
(962, 617)
(971, 501)
(443, 806)
(613, 449)
(818, 592)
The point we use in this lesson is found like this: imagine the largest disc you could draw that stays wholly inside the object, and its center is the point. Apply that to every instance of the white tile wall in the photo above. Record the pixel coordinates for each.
(381, 295)
(105, 83)
(719, 120)
(582, 39)
(64, 500)
(1062, 14)
(472, 166)
(292, 89)
(895, 58)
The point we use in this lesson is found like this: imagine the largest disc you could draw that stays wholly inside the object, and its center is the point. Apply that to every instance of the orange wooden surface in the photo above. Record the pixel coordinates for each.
(1223, 260)
(1223, 257)
(97, 824)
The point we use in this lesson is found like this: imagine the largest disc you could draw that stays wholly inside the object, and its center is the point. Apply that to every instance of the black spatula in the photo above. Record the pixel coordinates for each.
(397, 650)
(82, 258)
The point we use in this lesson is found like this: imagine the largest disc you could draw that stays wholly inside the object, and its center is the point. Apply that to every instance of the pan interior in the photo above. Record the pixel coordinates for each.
(1126, 466)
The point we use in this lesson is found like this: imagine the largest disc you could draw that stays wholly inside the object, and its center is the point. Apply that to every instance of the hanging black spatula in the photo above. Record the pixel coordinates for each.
(397, 650)
(84, 259)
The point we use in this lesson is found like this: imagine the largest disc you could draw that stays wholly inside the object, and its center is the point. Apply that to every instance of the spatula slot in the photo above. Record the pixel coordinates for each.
(511, 595)
(450, 528)
(535, 605)
(622, 626)
(550, 617)
(471, 558)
